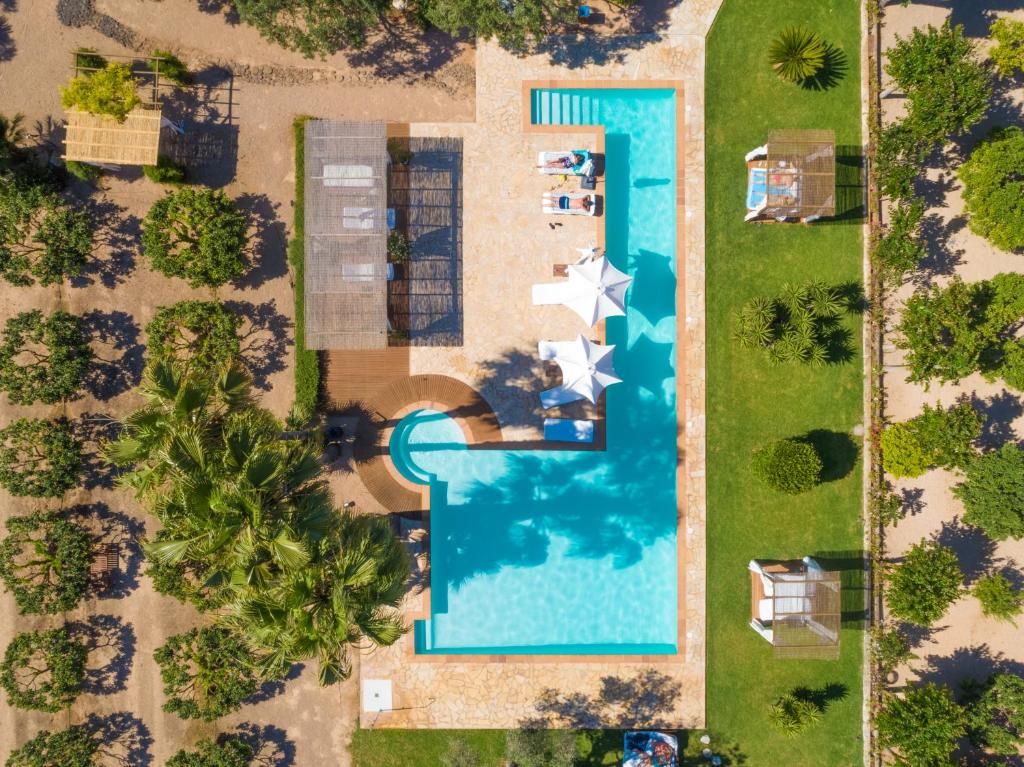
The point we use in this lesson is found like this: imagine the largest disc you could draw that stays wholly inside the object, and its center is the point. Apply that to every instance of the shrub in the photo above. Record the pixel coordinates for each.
(109, 91)
(801, 325)
(993, 179)
(887, 505)
(43, 359)
(39, 458)
(922, 587)
(998, 598)
(229, 751)
(889, 648)
(788, 465)
(166, 171)
(207, 673)
(44, 563)
(88, 58)
(73, 747)
(996, 718)
(797, 54)
(43, 670)
(947, 89)
(923, 726)
(200, 334)
(398, 151)
(196, 234)
(993, 493)
(900, 249)
(172, 69)
(792, 715)
(541, 748)
(899, 154)
(399, 248)
(1011, 365)
(937, 437)
(41, 239)
(1008, 52)
(83, 170)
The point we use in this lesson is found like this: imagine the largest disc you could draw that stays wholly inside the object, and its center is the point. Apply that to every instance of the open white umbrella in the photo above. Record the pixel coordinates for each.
(587, 369)
(595, 290)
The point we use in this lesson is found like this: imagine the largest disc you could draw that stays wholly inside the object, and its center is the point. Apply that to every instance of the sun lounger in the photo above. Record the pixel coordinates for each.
(567, 430)
(559, 396)
(548, 350)
(583, 169)
(547, 293)
(348, 175)
(550, 204)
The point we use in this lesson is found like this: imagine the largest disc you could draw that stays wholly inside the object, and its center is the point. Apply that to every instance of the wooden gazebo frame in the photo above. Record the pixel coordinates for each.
(792, 176)
(796, 606)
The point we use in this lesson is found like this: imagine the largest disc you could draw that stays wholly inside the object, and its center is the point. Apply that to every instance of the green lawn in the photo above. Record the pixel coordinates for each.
(750, 402)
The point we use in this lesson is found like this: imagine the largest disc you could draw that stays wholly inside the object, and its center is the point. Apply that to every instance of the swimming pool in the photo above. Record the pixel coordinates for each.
(561, 551)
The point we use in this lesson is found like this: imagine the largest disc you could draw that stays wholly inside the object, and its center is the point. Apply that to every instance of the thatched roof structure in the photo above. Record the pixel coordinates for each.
(101, 139)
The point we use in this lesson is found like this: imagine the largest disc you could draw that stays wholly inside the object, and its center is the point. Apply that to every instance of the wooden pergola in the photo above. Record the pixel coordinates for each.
(792, 177)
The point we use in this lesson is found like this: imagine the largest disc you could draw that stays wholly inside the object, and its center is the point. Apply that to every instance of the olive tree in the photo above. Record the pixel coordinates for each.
(993, 179)
(922, 587)
(993, 493)
(314, 28)
(43, 670)
(230, 751)
(201, 334)
(923, 726)
(41, 239)
(43, 358)
(44, 562)
(516, 26)
(73, 747)
(39, 458)
(207, 673)
(198, 235)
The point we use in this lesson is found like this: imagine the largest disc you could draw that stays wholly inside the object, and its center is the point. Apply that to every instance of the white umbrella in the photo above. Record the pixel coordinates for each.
(586, 370)
(596, 290)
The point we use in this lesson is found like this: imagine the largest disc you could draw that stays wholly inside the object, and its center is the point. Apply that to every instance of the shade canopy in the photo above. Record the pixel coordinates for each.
(587, 368)
(597, 290)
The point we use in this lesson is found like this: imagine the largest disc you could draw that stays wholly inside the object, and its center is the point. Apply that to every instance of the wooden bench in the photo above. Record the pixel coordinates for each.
(105, 562)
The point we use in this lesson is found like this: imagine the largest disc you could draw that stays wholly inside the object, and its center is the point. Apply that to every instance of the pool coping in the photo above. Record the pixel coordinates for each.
(683, 554)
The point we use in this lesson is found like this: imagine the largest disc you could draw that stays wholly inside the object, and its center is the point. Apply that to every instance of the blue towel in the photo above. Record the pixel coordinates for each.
(757, 187)
(563, 202)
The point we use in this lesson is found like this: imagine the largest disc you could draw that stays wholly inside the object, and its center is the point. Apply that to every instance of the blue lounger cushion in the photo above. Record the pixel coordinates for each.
(567, 430)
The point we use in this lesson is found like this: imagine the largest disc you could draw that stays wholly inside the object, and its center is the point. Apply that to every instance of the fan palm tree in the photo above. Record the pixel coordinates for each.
(797, 54)
(350, 595)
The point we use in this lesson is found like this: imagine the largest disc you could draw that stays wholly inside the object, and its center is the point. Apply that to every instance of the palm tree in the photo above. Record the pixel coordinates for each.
(351, 594)
(797, 54)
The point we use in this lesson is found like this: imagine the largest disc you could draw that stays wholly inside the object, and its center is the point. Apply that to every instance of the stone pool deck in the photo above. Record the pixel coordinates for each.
(507, 246)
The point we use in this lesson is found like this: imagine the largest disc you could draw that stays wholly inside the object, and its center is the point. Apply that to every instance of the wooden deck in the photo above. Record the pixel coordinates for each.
(392, 402)
(352, 377)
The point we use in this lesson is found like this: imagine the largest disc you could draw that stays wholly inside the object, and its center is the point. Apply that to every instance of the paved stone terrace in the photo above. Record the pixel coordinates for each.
(508, 245)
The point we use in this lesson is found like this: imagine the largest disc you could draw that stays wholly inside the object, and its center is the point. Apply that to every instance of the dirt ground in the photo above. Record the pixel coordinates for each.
(964, 644)
(238, 136)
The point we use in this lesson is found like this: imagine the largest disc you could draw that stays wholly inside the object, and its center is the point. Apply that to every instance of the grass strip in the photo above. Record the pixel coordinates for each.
(307, 361)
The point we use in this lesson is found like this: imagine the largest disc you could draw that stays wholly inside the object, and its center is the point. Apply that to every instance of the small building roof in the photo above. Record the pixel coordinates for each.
(102, 139)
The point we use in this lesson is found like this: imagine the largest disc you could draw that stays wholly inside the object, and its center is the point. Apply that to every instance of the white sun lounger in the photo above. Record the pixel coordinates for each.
(348, 175)
(548, 350)
(567, 430)
(549, 203)
(547, 293)
(583, 170)
(559, 395)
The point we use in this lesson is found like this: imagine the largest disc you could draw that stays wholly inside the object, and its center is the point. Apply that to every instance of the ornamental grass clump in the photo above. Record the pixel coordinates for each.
(788, 465)
(922, 587)
(793, 715)
(797, 54)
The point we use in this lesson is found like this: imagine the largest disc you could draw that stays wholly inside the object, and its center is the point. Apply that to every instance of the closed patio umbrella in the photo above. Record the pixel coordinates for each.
(587, 369)
(595, 290)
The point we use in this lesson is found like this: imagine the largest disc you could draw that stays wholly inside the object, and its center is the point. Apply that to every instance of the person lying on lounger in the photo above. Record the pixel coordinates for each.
(565, 202)
(565, 162)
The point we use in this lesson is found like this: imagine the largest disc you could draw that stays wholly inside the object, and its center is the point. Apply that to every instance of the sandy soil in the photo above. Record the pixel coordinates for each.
(963, 644)
(239, 138)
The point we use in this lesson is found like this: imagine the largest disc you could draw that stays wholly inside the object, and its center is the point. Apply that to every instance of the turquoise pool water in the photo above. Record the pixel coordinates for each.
(564, 551)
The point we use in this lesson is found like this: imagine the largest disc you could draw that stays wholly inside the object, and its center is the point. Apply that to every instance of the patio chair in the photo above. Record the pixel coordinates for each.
(548, 293)
(582, 169)
(548, 350)
(568, 430)
(551, 203)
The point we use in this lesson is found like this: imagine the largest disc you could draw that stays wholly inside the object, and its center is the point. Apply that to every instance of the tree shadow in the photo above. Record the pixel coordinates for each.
(823, 697)
(999, 411)
(124, 737)
(8, 48)
(265, 339)
(832, 71)
(941, 257)
(838, 450)
(224, 7)
(117, 529)
(973, 548)
(111, 645)
(205, 111)
(366, 445)
(270, 745)
(274, 687)
(646, 700)
(408, 52)
(93, 430)
(976, 663)
(121, 234)
(118, 364)
(852, 566)
(510, 382)
(851, 206)
(918, 635)
(912, 499)
(269, 245)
